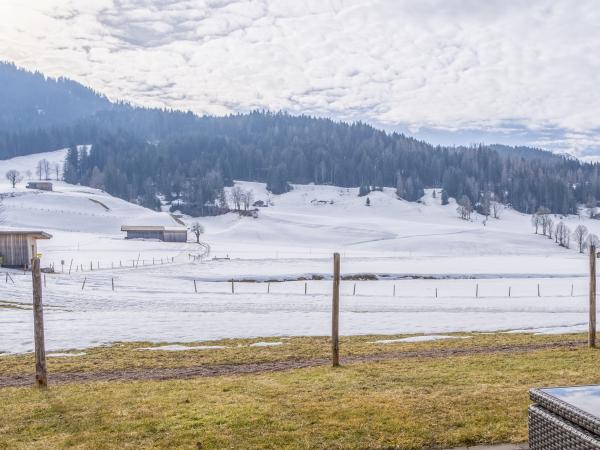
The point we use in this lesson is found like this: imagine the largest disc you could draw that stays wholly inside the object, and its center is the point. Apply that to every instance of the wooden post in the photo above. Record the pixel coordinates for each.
(394, 290)
(112, 283)
(195, 287)
(70, 265)
(41, 375)
(354, 290)
(91, 267)
(538, 289)
(571, 289)
(509, 291)
(435, 292)
(232, 287)
(44, 281)
(268, 288)
(477, 290)
(335, 312)
(83, 285)
(592, 331)
(305, 287)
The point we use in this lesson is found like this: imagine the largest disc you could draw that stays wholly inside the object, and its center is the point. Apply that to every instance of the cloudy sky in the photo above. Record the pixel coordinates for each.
(449, 71)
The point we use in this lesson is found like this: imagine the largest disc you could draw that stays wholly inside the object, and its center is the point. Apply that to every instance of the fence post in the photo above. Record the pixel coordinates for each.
(477, 290)
(232, 287)
(112, 283)
(335, 313)
(70, 265)
(592, 330)
(305, 287)
(571, 289)
(354, 289)
(41, 375)
(509, 291)
(435, 292)
(538, 289)
(268, 288)
(83, 285)
(394, 290)
(195, 287)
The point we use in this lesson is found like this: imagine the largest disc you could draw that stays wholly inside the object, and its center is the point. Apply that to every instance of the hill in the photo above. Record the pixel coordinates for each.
(141, 154)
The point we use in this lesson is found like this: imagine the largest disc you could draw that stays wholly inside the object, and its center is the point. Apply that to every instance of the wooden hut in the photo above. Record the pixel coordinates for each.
(42, 185)
(167, 234)
(17, 247)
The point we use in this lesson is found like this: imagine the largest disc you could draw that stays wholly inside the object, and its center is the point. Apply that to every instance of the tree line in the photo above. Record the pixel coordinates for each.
(279, 149)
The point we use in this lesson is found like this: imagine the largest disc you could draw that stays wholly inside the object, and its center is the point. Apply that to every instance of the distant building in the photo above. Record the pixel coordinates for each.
(42, 185)
(17, 247)
(167, 234)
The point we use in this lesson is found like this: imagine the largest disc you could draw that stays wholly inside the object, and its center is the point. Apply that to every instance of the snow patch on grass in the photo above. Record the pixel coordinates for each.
(266, 344)
(181, 348)
(433, 337)
(64, 355)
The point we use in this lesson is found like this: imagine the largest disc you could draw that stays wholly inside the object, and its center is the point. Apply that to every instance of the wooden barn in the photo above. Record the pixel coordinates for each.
(167, 234)
(42, 185)
(17, 247)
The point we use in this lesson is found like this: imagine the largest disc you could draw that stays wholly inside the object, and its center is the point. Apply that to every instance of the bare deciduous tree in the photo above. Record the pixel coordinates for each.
(563, 235)
(197, 229)
(465, 208)
(536, 221)
(236, 197)
(247, 199)
(497, 209)
(544, 216)
(42, 169)
(580, 235)
(550, 226)
(14, 176)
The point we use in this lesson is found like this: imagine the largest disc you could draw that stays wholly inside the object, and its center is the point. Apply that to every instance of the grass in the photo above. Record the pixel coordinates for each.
(123, 356)
(411, 403)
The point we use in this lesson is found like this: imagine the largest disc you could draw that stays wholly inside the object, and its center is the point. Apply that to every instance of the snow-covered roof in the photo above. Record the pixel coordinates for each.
(150, 228)
(33, 234)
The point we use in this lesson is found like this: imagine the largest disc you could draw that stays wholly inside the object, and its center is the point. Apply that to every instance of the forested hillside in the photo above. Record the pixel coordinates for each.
(280, 149)
(139, 154)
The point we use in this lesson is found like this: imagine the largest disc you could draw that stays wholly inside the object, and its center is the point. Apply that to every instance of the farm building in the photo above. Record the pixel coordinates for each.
(42, 185)
(17, 247)
(167, 234)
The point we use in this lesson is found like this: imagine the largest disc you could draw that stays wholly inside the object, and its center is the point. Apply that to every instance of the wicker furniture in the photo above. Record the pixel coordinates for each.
(565, 418)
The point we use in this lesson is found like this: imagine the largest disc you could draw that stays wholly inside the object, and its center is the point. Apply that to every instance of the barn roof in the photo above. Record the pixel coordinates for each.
(150, 228)
(31, 233)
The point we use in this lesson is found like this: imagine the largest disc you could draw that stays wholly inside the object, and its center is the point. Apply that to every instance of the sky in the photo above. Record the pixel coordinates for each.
(447, 71)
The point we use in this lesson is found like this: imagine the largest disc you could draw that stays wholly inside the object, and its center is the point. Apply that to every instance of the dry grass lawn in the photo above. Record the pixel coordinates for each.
(413, 403)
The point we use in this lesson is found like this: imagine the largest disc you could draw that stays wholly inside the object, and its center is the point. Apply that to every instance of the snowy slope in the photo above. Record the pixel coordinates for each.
(85, 222)
(292, 240)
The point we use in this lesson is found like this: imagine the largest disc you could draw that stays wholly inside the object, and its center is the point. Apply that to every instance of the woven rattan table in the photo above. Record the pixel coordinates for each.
(565, 418)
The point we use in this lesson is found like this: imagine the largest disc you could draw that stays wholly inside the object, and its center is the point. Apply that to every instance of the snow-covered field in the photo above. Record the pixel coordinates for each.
(417, 249)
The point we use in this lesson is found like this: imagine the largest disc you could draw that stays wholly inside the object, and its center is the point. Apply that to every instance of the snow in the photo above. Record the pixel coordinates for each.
(64, 355)
(266, 344)
(426, 338)
(180, 348)
(414, 249)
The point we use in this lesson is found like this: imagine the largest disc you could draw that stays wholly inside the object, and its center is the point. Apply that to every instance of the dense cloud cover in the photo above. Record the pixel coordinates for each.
(498, 67)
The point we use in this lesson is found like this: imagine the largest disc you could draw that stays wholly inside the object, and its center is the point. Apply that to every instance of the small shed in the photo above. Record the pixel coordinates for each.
(42, 185)
(17, 247)
(167, 234)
